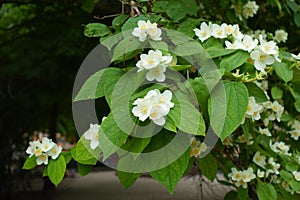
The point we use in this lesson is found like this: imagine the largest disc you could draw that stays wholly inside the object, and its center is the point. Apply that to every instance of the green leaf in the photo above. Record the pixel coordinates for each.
(217, 51)
(67, 156)
(233, 61)
(88, 5)
(235, 105)
(175, 10)
(56, 170)
(30, 163)
(131, 23)
(190, 6)
(231, 195)
(84, 169)
(96, 30)
(185, 116)
(99, 83)
(135, 144)
(111, 137)
(208, 166)
(291, 166)
(118, 21)
(293, 6)
(158, 45)
(45, 172)
(188, 48)
(127, 179)
(283, 71)
(255, 91)
(160, 6)
(125, 46)
(295, 185)
(297, 19)
(276, 92)
(243, 193)
(82, 155)
(286, 175)
(180, 67)
(171, 174)
(266, 191)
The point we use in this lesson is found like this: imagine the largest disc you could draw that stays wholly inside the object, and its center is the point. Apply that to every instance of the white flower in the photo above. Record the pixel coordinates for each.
(264, 131)
(260, 173)
(248, 175)
(278, 109)
(42, 159)
(141, 30)
(250, 9)
(217, 31)
(236, 32)
(275, 167)
(204, 32)
(287, 188)
(295, 134)
(296, 175)
(154, 32)
(237, 44)
(241, 178)
(253, 109)
(280, 147)
(33, 146)
(150, 60)
(154, 105)
(55, 151)
(92, 134)
(281, 36)
(157, 73)
(248, 43)
(47, 144)
(261, 60)
(235, 175)
(297, 57)
(266, 47)
(228, 28)
(147, 28)
(156, 65)
(259, 159)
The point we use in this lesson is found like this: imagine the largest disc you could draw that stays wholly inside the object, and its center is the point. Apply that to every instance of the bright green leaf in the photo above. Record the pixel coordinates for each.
(118, 21)
(266, 191)
(276, 92)
(30, 163)
(286, 175)
(131, 23)
(217, 51)
(96, 30)
(45, 172)
(56, 169)
(283, 71)
(67, 155)
(158, 45)
(125, 46)
(295, 185)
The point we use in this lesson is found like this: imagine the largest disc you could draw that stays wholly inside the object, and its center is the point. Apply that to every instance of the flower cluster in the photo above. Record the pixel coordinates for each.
(147, 28)
(155, 63)
(154, 105)
(280, 147)
(280, 36)
(295, 132)
(92, 135)
(42, 150)
(262, 52)
(241, 178)
(250, 9)
(197, 147)
(254, 109)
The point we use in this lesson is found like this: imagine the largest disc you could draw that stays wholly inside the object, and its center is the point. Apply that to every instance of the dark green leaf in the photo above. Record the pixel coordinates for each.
(255, 91)
(88, 5)
(297, 19)
(171, 174)
(243, 193)
(208, 166)
(56, 169)
(295, 185)
(231, 195)
(45, 172)
(131, 23)
(118, 21)
(190, 6)
(217, 51)
(127, 179)
(125, 46)
(234, 60)
(67, 156)
(188, 49)
(276, 92)
(84, 169)
(158, 45)
(175, 10)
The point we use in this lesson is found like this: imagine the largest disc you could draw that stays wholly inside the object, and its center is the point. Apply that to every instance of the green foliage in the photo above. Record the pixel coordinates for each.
(266, 191)
(283, 71)
(171, 174)
(96, 30)
(233, 61)
(30, 163)
(84, 169)
(208, 167)
(127, 179)
(255, 91)
(56, 169)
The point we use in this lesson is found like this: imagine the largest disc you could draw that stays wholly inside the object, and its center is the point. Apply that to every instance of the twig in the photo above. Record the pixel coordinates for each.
(107, 16)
